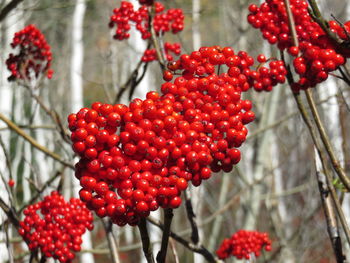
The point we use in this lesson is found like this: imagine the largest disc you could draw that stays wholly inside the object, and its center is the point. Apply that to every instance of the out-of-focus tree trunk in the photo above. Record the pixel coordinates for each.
(77, 58)
(11, 24)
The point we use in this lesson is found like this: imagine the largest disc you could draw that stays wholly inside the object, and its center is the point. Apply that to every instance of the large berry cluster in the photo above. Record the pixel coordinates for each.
(34, 56)
(316, 54)
(163, 21)
(244, 244)
(58, 228)
(150, 150)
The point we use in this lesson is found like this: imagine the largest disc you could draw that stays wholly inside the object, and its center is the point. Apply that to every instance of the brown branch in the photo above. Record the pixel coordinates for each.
(326, 141)
(112, 244)
(51, 113)
(10, 212)
(8, 8)
(146, 244)
(192, 219)
(168, 217)
(41, 190)
(315, 13)
(331, 220)
(33, 142)
(155, 43)
(200, 249)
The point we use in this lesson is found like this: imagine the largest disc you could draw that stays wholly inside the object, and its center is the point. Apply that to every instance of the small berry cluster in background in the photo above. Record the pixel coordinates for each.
(58, 227)
(125, 17)
(33, 57)
(316, 56)
(244, 244)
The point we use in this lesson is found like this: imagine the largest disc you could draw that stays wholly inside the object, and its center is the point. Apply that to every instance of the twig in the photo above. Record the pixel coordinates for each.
(7, 9)
(192, 219)
(325, 139)
(112, 244)
(160, 55)
(10, 212)
(168, 217)
(51, 113)
(291, 23)
(33, 142)
(39, 191)
(195, 248)
(315, 13)
(173, 249)
(331, 220)
(146, 244)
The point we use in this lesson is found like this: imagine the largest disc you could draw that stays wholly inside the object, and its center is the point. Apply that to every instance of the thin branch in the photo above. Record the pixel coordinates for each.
(168, 217)
(331, 220)
(192, 219)
(326, 141)
(7, 9)
(112, 243)
(52, 114)
(40, 190)
(33, 142)
(146, 244)
(315, 13)
(10, 212)
(173, 249)
(195, 248)
(155, 43)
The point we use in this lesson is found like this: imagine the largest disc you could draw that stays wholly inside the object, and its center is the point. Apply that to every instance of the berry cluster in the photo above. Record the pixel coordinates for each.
(171, 20)
(316, 54)
(150, 150)
(244, 244)
(58, 228)
(151, 54)
(34, 56)
(239, 73)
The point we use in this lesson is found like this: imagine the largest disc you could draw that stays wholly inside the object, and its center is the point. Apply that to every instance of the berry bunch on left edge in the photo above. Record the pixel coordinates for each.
(34, 55)
(244, 244)
(55, 227)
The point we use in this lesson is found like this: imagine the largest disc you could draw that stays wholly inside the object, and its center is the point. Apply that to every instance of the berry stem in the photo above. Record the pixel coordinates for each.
(155, 43)
(195, 248)
(146, 244)
(291, 23)
(168, 217)
(192, 218)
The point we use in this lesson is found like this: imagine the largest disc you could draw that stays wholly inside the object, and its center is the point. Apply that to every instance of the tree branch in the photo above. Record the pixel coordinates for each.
(33, 142)
(7, 9)
(168, 217)
(325, 139)
(146, 244)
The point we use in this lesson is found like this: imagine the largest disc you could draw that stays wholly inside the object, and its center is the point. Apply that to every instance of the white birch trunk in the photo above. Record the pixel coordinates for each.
(10, 25)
